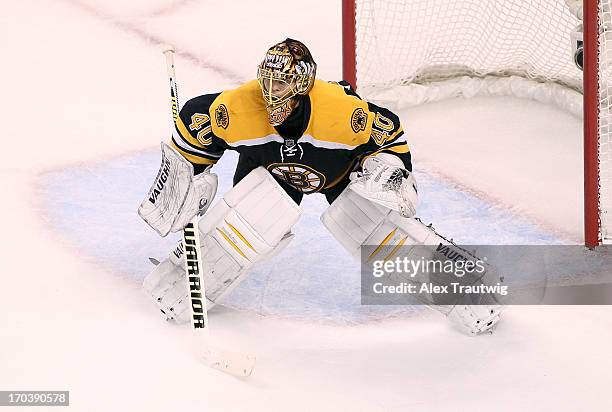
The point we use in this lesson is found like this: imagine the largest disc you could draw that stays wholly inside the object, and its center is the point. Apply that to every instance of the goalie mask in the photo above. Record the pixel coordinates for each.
(287, 70)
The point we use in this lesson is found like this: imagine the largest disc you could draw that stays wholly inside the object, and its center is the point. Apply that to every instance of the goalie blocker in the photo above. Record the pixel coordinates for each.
(355, 221)
(251, 223)
(176, 195)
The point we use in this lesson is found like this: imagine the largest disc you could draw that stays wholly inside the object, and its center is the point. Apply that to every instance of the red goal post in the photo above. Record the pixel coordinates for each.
(512, 44)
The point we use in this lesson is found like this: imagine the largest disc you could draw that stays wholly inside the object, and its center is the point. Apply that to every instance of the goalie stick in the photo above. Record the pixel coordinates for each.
(236, 364)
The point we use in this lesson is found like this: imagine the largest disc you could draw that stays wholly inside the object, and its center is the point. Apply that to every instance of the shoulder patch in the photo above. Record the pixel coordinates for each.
(359, 120)
(222, 116)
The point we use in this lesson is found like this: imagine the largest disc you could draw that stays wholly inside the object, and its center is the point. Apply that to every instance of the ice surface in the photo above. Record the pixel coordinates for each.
(86, 101)
(314, 278)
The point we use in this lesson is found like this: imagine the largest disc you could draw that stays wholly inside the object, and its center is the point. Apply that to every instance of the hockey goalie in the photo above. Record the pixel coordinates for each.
(295, 135)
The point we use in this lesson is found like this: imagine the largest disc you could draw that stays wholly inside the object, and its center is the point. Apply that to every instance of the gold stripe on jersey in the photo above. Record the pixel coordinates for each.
(189, 140)
(396, 148)
(401, 148)
(193, 159)
(184, 133)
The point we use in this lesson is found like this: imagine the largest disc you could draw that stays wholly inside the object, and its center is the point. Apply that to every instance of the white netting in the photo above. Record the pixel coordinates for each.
(447, 48)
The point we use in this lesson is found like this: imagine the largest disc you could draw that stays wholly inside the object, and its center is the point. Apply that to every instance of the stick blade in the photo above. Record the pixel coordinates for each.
(236, 364)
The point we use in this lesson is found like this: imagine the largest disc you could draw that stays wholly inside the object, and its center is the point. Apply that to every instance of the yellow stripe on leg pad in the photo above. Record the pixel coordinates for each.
(400, 244)
(231, 242)
(382, 244)
(246, 242)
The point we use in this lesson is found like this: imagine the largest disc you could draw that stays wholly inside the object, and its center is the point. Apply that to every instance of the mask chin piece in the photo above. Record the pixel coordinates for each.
(278, 114)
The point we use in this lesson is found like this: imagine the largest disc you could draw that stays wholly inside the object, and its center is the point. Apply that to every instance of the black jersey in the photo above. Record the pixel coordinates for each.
(326, 137)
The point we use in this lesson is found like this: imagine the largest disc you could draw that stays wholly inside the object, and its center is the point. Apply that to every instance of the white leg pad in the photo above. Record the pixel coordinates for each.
(355, 221)
(251, 223)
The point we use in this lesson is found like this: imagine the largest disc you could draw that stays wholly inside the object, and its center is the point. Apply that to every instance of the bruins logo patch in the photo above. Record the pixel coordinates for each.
(359, 120)
(302, 177)
(222, 116)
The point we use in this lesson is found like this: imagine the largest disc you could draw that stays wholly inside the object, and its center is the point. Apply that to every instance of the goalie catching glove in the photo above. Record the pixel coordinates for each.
(176, 195)
(385, 181)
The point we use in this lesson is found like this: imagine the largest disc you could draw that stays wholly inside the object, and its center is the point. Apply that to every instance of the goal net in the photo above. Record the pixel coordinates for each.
(414, 51)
